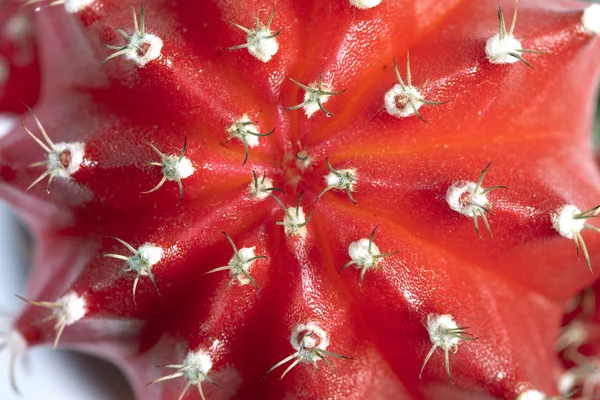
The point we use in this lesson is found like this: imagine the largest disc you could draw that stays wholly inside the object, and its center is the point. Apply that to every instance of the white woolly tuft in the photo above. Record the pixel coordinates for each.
(74, 6)
(341, 179)
(364, 4)
(258, 191)
(291, 222)
(185, 168)
(175, 169)
(245, 131)
(261, 46)
(333, 179)
(307, 345)
(591, 19)
(196, 365)
(137, 42)
(245, 254)
(147, 255)
(240, 262)
(77, 152)
(564, 222)
(303, 160)
(72, 308)
(312, 98)
(437, 326)
(461, 197)
(497, 49)
(398, 95)
(532, 395)
(150, 253)
(359, 252)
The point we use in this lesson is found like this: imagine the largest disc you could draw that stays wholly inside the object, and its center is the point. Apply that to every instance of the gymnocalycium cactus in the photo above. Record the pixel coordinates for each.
(276, 199)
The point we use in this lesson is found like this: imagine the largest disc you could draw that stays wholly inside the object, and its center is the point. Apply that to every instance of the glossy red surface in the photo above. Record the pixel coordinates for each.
(534, 124)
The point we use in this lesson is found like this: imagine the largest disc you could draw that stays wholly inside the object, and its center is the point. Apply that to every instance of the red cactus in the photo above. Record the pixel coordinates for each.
(246, 191)
(18, 60)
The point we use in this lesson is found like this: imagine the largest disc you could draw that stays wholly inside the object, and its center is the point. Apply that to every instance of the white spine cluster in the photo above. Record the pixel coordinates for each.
(341, 179)
(245, 130)
(504, 47)
(240, 263)
(470, 199)
(590, 20)
(66, 311)
(439, 328)
(498, 49)
(146, 257)
(445, 334)
(141, 262)
(363, 252)
(314, 98)
(64, 159)
(569, 221)
(307, 345)
(402, 101)
(303, 160)
(143, 49)
(364, 4)
(566, 223)
(294, 222)
(315, 95)
(261, 41)
(74, 152)
(194, 369)
(259, 188)
(262, 44)
(196, 366)
(310, 343)
(466, 198)
(72, 308)
(176, 168)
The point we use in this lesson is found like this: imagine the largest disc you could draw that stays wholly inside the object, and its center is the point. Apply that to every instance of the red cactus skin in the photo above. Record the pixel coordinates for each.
(497, 301)
(18, 59)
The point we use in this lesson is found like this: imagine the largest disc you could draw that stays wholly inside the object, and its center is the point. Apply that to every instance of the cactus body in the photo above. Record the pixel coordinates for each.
(278, 201)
